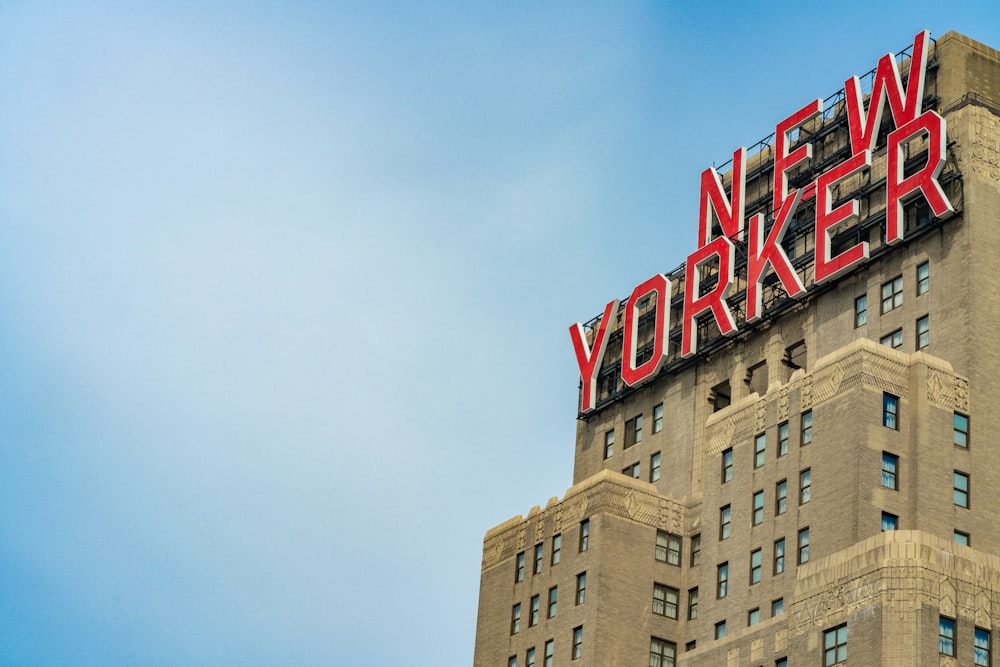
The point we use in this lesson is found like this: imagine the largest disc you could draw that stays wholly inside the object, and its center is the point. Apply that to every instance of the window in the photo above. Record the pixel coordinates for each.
(804, 546)
(577, 642)
(550, 650)
(961, 538)
(923, 278)
(779, 556)
(982, 647)
(632, 471)
(519, 570)
(515, 619)
(581, 587)
(923, 332)
(529, 657)
(781, 662)
(512, 661)
(692, 604)
(889, 521)
(782, 439)
(695, 549)
(889, 464)
(665, 600)
(961, 434)
(893, 340)
(753, 616)
(758, 450)
(861, 311)
(727, 465)
(890, 411)
(633, 431)
(807, 428)
(553, 595)
(892, 294)
(777, 606)
(835, 645)
(758, 508)
(691, 645)
(946, 636)
(781, 497)
(725, 522)
(668, 548)
(722, 581)
(533, 615)
(556, 548)
(658, 418)
(720, 629)
(756, 559)
(538, 558)
(654, 467)
(961, 489)
(609, 444)
(661, 652)
(584, 534)
(805, 486)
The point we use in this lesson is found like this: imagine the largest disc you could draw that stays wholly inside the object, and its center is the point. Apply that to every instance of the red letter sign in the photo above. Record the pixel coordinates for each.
(827, 217)
(899, 189)
(887, 86)
(713, 199)
(695, 305)
(761, 253)
(660, 286)
(783, 160)
(589, 359)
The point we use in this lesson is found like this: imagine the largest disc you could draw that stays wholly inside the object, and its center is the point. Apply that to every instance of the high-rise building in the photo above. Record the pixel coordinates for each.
(786, 451)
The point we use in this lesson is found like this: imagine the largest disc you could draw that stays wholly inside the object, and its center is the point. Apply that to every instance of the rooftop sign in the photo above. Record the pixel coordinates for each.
(763, 248)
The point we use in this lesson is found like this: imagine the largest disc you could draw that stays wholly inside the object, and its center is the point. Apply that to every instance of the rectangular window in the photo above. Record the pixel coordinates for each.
(805, 486)
(756, 562)
(609, 444)
(720, 629)
(804, 546)
(584, 534)
(632, 471)
(581, 587)
(695, 549)
(577, 642)
(961, 433)
(722, 581)
(861, 311)
(556, 548)
(753, 616)
(658, 418)
(758, 508)
(893, 340)
(692, 604)
(668, 548)
(727, 465)
(777, 606)
(538, 558)
(781, 497)
(779, 556)
(889, 464)
(961, 495)
(982, 647)
(892, 294)
(946, 636)
(529, 657)
(781, 662)
(889, 521)
(515, 619)
(519, 569)
(533, 615)
(550, 650)
(923, 278)
(961, 538)
(807, 428)
(553, 596)
(923, 332)
(633, 431)
(835, 645)
(782, 439)
(758, 450)
(661, 652)
(890, 411)
(691, 645)
(512, 661)
(665, 600)
(725, 522)
(654, 467)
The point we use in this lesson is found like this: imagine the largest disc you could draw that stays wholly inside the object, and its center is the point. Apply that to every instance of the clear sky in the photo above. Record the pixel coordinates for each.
(285, 290)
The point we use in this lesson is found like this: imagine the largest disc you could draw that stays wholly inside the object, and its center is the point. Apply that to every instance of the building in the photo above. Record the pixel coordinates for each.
(816, 487)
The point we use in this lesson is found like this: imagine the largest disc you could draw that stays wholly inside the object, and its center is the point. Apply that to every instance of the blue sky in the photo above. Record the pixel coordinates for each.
(285, 291)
